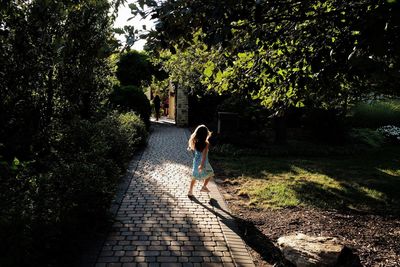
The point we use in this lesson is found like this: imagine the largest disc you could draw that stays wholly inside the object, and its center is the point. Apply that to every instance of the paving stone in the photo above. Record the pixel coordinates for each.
(119, 253)
(195, 259)
(126, 259)
(131, 253)
(167, 259)
(108, 259)
(171, 264)
(157, 225)
(149, 253)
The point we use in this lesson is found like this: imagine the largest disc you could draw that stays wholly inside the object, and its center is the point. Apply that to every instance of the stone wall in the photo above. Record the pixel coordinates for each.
(182, 107)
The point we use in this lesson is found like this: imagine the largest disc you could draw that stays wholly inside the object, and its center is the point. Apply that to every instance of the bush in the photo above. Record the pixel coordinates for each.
(252, 116)
(200, 115)
(326, 125)
(134, 67)
(367, 137)
(131, 98)
(126, 132)
(376, 114)
(48, 203)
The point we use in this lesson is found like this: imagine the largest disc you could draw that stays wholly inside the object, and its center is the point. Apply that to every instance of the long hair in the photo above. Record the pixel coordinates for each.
(199, 138)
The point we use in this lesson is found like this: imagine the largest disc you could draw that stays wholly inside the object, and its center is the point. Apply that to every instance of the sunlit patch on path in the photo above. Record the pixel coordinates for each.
(158, 225)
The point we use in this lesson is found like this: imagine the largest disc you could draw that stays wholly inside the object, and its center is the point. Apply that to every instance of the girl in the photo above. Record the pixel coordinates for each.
(202, 170)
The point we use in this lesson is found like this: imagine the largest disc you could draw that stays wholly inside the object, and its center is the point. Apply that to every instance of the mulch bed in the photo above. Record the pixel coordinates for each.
(373, 239)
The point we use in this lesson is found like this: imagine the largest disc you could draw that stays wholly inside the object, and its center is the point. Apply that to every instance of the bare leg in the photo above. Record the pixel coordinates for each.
(190, 193)
(204, 188)
(206, 181)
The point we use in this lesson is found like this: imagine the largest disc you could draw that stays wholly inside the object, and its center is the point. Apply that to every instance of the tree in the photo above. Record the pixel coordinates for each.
(324, 54)
(132, 98)
(55, 165)
(54, 66)
(288, 53)
(134, 68)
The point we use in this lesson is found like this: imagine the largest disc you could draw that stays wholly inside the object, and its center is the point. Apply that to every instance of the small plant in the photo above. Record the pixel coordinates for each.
(376, 114)
(367, 137)
(391, 132)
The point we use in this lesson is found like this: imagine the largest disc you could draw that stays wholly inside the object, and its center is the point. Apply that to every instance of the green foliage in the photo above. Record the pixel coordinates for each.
(53, 199)
(133, 130)
(251, 114)
(54, 67)
(317, 54)
(367, 182)
(185, 66)
(391, 133)
(367, 137)
(376, 114)
(133, 68)
(60, 156)
(131, 98)
(327, 126)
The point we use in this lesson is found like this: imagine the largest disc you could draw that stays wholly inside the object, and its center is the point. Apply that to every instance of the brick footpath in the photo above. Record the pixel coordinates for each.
(158, 225)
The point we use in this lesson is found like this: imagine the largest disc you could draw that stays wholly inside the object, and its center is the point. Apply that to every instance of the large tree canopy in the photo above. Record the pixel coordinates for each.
(54, 58)
(133, 68)
(286, 53)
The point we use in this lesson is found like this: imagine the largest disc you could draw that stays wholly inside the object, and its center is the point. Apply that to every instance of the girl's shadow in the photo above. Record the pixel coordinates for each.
(253, 237)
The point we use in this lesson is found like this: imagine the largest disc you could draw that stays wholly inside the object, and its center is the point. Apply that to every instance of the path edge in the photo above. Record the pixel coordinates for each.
(237, 248)
(89, 258)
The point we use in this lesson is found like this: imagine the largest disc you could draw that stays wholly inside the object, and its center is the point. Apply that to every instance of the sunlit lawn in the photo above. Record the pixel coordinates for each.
(367, 182)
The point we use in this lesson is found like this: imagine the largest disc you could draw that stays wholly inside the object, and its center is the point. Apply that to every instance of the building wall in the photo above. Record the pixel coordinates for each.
(182, 107)
(172, 100)
(171, 111)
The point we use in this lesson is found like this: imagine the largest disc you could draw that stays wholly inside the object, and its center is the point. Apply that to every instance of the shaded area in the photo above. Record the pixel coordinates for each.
(257, 240)
(352, 198)
(156, 222)
(374, 239)
(366, 183)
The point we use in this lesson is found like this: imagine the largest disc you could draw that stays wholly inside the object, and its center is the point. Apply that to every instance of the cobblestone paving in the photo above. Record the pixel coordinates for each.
(158, 225)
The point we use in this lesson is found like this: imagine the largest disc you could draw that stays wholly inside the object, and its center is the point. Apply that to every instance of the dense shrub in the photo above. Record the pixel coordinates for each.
(376, 114)
(326, 125)
(60, 160)
(134, 67)
(367, 137)
(252, 115)
(203, 108)
(132, 98)
(46, 203)
(133, 129)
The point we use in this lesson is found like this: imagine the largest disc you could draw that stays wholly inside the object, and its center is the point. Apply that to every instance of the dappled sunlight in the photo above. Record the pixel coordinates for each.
(372, 193)
(392, 172)
(345, 197)
(157, 220)
(346, 183)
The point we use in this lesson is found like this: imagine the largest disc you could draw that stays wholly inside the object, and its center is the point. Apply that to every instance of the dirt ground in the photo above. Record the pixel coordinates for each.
(374, 240)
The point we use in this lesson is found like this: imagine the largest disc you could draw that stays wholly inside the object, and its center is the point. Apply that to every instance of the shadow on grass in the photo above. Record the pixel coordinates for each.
(315, 195)
(250, 234)
(366, 183)
(363, 187)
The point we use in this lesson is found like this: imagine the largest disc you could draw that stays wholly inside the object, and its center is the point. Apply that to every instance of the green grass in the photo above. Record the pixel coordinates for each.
(376, 114)
(368, 182)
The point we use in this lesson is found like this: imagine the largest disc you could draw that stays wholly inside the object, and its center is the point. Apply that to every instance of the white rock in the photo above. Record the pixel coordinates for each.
(306, 251)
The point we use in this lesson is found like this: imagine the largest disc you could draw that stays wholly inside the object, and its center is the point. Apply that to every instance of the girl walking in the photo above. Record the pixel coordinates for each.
(202, 170)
